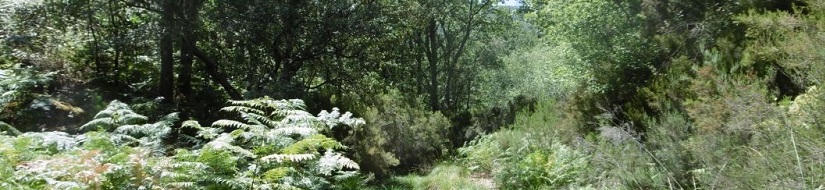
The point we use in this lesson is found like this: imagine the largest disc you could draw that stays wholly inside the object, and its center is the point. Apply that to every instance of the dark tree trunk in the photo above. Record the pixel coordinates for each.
(185, 74)
(166, 85)
(289, 88)
(432, 58)
(189, 14)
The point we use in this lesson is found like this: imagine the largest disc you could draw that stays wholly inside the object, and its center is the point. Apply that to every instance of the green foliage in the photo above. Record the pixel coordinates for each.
(786, 41)
(549, 71)
(529, 155)
(281, 147)
(607, 35)
(652, 94)
(23, 93)
(443, 176)
(123, 158)
(398, 133)
(115, 115)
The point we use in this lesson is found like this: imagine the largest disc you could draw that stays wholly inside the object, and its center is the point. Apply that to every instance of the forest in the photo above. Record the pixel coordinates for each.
(412, 94)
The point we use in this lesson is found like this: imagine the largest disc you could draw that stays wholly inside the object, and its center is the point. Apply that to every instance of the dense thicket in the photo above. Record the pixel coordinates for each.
(640, 94)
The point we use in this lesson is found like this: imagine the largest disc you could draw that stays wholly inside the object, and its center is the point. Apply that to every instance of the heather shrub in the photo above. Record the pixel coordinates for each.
(399, 136)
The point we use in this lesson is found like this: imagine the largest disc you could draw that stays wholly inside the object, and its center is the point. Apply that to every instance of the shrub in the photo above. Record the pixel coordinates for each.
(398, 133)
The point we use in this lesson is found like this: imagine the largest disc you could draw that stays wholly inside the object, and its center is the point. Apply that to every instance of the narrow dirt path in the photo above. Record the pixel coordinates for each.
(484, 180)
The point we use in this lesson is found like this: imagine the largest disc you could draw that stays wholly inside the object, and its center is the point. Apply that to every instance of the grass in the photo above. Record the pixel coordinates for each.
(442, 177)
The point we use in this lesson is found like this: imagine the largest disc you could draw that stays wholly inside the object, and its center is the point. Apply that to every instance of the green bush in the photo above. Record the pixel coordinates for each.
(399, 134)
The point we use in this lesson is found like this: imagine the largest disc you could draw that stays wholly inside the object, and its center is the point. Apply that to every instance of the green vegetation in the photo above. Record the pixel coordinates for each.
(552, 94)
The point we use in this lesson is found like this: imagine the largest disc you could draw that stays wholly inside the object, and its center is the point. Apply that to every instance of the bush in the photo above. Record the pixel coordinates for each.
(399, 136)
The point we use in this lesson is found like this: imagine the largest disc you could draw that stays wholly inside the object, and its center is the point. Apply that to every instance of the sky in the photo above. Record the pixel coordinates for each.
(511, 3)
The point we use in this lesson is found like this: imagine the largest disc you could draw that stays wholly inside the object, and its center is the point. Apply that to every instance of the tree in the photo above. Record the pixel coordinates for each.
(285, 48)
(440, 40)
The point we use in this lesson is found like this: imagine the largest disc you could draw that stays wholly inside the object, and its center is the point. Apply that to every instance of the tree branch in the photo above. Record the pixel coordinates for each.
(212, 69)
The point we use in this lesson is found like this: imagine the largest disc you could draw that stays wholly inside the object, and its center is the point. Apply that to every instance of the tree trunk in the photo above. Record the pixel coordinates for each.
(189, 13)
(166, 86)
(289, 88)
(185, 75)
(432, 58)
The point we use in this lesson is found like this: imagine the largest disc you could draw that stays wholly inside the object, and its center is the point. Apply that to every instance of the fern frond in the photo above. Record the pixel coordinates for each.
(203, 132)
(56, 184)
(348, 163)
(266, 186)
(303, 131)
(255, 103)
(242, 109)
(333, 162)
(224, 142)
(129, 117)
(169, 119)
(118, 113)
(209, 133)
(280, 158)
(296, 115)
(191, 124)
(229, 124)
(182, 185)
(121, 139)
(190, 165)
(312, 144)
(106, 122)
(259, 119)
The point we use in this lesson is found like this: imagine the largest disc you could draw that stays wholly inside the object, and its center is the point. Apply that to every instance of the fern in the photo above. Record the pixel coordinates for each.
(224, 142)
(333, 162)
(274, 145)
(288, 139)
(230, 124)
(280, 158)
(57, 141)
(203, 132)
(19, 82)
(116, 114)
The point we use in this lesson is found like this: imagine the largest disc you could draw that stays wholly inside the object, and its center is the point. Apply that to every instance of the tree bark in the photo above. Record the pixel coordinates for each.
(185, 75)
(432, 58)
(166, 85)
(189, 14)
